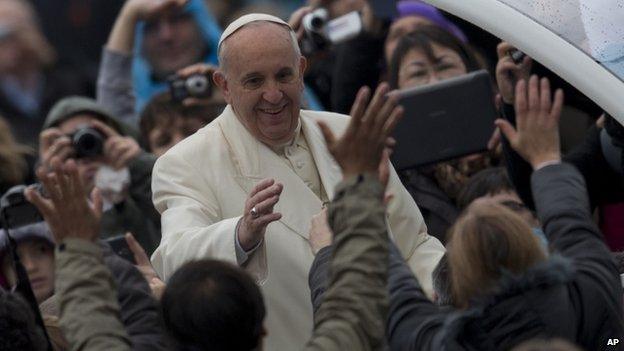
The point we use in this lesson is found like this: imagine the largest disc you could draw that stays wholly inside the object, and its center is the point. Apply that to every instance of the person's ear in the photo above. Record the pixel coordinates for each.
(218, 77)
(303, 63)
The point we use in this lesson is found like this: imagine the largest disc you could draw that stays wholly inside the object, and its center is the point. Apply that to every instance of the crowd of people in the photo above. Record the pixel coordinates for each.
(216, 187)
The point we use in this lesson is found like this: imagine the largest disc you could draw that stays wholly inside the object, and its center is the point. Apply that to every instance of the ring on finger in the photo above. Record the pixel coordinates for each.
(254, 212)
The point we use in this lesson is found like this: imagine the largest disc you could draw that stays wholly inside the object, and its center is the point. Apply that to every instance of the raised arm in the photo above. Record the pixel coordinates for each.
(114, 85)
(85, 287)
(353, 312)
(561, 195)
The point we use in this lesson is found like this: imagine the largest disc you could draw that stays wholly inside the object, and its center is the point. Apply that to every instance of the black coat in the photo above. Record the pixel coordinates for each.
(139, 310)
(575, 295)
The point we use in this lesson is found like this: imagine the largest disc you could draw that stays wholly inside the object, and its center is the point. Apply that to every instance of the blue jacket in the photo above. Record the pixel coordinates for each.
(144, 85)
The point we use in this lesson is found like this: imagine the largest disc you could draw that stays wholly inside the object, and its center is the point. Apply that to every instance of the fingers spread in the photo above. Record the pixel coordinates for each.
(534, 93)
(392, 122)
(328, 135)
(358, 109)
(507, 129)
(376, 104)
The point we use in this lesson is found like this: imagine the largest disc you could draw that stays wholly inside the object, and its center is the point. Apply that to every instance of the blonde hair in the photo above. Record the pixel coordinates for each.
(487, 240)
(13, 166)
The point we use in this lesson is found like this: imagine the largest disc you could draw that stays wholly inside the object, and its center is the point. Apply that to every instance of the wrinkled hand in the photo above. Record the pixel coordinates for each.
(263, 197)
(141, 10)
(54, 144)
(118, 150)
(144, 266)
(508, 73)
(360, 148)
(320, 234)
(67, 210)
(537, 120)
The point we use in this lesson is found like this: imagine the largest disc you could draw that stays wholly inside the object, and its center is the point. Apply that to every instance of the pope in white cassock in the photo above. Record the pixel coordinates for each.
(245, 187)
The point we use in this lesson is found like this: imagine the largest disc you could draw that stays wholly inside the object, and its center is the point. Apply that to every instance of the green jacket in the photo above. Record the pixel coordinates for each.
(351, 317)
(353, 313)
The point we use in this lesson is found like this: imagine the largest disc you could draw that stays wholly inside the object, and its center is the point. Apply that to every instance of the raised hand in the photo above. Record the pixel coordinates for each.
(360, 148)
(258, 212)
(508, 73)
(144, 266)
(54, 144)
(67, 210)
(118, 150)
(536, 136)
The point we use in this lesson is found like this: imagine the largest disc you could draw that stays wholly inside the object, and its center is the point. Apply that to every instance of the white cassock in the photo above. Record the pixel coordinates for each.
(200, 187)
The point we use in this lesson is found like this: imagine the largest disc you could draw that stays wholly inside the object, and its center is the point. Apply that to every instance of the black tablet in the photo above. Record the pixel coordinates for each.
(444, 120)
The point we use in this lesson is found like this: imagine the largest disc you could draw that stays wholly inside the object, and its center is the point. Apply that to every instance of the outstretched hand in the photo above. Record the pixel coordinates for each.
(144, 266)
(359, 149)
(536, 136)
(67, 210)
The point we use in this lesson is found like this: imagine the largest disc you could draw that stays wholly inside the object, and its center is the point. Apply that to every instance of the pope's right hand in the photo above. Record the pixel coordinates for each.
(258, 213)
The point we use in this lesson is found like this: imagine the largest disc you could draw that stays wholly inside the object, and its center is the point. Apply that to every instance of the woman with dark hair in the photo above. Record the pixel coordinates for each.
(506, 289)
(430, 47)
(427, 55)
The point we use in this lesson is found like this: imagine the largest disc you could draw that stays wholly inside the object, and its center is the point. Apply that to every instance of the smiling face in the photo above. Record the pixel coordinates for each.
(172, 41)
(262, 79)
(417, 69)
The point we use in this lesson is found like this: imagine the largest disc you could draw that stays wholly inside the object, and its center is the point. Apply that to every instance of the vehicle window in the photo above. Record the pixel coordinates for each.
(594, 26)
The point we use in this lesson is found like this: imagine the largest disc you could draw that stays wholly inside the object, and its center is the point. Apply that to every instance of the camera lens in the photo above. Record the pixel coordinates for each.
(317, 22)
(88, 142)
(198, 85)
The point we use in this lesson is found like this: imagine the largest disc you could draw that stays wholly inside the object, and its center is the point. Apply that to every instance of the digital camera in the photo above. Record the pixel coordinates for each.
(196, 86)
(321, 32)
(87, 142)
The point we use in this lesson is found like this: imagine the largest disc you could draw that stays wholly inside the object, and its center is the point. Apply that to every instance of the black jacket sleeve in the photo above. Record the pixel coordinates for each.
(414, 322)
(358, 64)
(138, 307)
(319, 275)
(563, 208)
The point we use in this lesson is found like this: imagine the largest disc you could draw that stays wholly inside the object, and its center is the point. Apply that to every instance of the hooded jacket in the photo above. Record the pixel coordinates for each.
(145, 86)
(136, 213)
(575, 295)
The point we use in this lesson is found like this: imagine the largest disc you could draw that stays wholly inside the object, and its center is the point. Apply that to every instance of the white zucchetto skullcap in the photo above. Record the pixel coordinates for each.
(246, 19)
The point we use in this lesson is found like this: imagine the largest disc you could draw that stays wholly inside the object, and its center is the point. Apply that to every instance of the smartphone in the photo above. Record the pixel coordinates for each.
(120, 247)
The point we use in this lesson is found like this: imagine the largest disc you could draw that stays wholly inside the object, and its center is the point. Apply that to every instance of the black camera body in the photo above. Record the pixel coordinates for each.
(195, 86)
(16, 210)
(314, 26)
(87, 142)
(323, 32)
